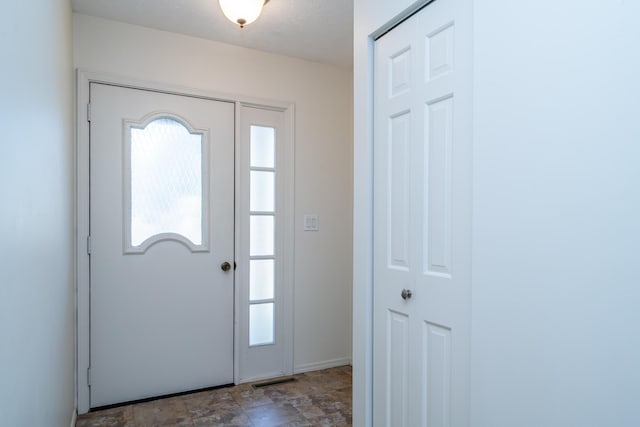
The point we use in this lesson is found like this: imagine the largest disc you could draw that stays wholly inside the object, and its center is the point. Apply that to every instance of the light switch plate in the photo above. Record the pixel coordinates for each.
(311, 223)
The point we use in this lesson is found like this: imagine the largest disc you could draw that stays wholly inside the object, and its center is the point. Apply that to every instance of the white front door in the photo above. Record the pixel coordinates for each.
(162, 227)
(422, 212)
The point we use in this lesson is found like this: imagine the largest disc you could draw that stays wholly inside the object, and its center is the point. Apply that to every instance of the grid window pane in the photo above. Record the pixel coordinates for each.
(263, 143)
(262, 197)
(261, 279)
(261, 235)
(166, 181)
(261, 324)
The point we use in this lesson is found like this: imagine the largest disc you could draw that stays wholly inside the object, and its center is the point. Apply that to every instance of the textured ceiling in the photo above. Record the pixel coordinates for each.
(317, 30)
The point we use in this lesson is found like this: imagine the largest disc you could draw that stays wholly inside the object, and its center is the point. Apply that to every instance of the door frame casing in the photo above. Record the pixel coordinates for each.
(84, 78)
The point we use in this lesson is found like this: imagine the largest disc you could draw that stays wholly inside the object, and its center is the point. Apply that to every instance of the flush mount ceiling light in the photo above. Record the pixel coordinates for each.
(242, 12)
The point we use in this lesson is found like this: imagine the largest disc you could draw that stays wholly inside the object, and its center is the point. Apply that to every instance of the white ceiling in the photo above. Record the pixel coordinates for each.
(317, 30)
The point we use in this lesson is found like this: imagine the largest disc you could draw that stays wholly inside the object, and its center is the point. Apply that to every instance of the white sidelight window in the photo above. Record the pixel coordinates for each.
(265, 242)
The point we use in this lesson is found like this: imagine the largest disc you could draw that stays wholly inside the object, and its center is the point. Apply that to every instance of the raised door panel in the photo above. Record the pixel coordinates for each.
(436, 375)
(438, 187)
(397, 369)
(399, 190)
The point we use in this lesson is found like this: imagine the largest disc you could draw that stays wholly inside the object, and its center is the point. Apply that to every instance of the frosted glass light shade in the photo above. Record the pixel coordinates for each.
(242, 12)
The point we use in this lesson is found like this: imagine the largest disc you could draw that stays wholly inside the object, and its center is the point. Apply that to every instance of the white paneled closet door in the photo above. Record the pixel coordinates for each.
(422, 217)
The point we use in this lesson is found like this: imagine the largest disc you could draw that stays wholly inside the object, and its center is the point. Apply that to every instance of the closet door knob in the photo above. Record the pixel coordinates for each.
(406, 294)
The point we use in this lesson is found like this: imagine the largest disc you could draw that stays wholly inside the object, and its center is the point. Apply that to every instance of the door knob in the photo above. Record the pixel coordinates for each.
(406, 294)
(225, 266)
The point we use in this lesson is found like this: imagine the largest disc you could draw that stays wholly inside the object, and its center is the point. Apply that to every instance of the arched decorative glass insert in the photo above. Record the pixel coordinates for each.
(166, 176)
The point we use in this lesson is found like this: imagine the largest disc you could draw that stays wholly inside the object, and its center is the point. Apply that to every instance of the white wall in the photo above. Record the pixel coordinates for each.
(556, 214)
(556, 208)
(36, 219)
(323, 166)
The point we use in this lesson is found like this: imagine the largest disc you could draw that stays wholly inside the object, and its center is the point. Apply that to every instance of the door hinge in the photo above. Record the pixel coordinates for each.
(88, 245)
(89, 112)
(89, 376)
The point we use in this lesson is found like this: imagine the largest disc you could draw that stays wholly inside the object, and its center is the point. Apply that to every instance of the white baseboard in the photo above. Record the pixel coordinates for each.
(334, 363)
(74, 417)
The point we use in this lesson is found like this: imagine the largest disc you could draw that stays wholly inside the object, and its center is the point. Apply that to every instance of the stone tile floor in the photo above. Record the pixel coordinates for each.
(319, 398)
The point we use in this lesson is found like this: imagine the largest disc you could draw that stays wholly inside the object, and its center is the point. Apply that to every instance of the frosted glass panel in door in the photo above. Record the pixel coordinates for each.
(261, 275)
(262, 189)
(263, 140)
(261, 324)
(261, 235)
(165, 181)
